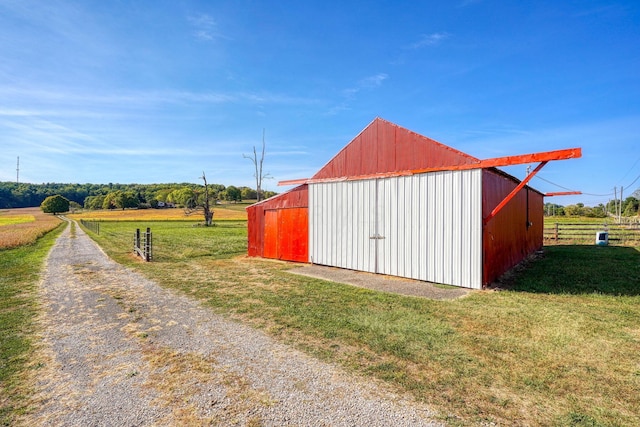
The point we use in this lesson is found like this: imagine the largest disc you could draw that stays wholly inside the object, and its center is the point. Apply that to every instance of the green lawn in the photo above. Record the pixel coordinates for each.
(559, 348)
(19, 305)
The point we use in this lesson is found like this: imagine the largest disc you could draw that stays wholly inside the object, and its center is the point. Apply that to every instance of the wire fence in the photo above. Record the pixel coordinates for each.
(93, 226)
(585, 233)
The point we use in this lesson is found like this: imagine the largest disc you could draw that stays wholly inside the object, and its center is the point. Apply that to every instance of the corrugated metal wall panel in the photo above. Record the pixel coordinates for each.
(255, 231)
(271, 234)
(429, 226)
(507, 239)
(293, 225)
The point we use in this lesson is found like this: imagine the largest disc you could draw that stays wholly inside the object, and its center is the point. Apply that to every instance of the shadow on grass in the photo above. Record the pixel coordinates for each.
(608, 270)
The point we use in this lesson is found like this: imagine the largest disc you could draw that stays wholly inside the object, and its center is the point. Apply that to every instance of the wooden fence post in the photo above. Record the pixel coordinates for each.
(556, 234)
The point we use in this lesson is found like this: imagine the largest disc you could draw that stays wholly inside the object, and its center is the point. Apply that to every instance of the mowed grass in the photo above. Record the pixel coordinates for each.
(24, 226)
(560, 347)
(19, 305)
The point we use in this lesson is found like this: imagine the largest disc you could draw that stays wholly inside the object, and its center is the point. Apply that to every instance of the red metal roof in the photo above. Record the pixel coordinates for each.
(384, 147)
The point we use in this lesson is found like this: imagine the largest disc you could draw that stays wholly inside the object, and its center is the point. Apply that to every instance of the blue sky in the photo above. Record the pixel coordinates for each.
(160, 91)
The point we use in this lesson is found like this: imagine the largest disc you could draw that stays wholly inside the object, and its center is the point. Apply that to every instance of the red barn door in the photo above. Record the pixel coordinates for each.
(271, 234)
(286, 234)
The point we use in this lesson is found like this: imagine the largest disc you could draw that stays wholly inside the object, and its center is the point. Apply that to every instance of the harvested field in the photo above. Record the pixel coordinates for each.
(24, 226)
(173, 214)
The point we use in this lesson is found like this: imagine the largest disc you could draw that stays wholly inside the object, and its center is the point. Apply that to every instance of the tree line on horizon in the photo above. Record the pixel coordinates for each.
(120, 196)
(628, 207)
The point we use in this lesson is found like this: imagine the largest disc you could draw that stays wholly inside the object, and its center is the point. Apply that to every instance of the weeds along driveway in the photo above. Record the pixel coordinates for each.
(120, 350)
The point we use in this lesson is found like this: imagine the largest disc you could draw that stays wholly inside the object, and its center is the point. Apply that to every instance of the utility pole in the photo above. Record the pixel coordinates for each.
(615, 201)
(620, 211)
(18, 171)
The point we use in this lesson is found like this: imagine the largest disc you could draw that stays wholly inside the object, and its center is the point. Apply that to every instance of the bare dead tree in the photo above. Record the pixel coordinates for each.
(193, 206)
(257, 163)
(208, 212)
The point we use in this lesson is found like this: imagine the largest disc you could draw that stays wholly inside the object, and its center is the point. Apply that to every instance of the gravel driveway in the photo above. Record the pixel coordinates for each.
(122, 351)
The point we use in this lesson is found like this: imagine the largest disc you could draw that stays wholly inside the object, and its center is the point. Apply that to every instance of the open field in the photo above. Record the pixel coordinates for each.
(558, 348)
(24, 226)
(20, 273)
(550, 220)
(581, 231)
(221, 213)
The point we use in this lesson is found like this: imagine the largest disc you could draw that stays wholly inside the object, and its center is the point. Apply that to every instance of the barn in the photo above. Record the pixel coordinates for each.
(398, 203)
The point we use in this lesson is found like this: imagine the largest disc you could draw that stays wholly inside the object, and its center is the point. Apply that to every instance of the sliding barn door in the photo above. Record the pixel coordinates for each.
(426, 227)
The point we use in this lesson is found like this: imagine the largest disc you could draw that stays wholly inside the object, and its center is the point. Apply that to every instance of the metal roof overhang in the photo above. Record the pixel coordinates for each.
(562, 193)
(570, 153)
(542, 157)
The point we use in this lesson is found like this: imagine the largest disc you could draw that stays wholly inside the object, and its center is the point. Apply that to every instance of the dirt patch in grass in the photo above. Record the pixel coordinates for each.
(382, 283)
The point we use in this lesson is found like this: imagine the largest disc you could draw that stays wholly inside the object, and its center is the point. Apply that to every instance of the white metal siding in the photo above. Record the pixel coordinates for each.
(429, 226)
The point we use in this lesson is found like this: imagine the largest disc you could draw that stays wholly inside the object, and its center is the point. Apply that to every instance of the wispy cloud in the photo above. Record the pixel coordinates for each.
(349, 94)
(369, 82)
(205, 27)
(60, 101)
(426, 40)
(36, 135)
(373, 81)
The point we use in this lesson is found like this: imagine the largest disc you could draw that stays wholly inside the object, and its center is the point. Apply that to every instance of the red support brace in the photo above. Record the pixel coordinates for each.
(511, 195)
(563, 193)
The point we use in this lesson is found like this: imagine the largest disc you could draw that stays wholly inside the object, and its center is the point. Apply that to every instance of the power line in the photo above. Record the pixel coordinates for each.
(598, 195)
(630, 169)
(553, 183)
(634, 181)
(570, 189)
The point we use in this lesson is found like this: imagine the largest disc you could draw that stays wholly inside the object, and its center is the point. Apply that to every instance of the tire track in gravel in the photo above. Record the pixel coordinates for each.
(121, 350)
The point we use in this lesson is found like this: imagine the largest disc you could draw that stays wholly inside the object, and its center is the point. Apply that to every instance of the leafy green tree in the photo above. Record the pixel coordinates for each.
(266, 194)
(127, 199)
(573, 210)
(551, 209)
(55, 205)
(94, 202)
(184, 197)
(109, 201)
(248, 193)
(630, 206)
(162, 194)
(233, 194)
(599, 211)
